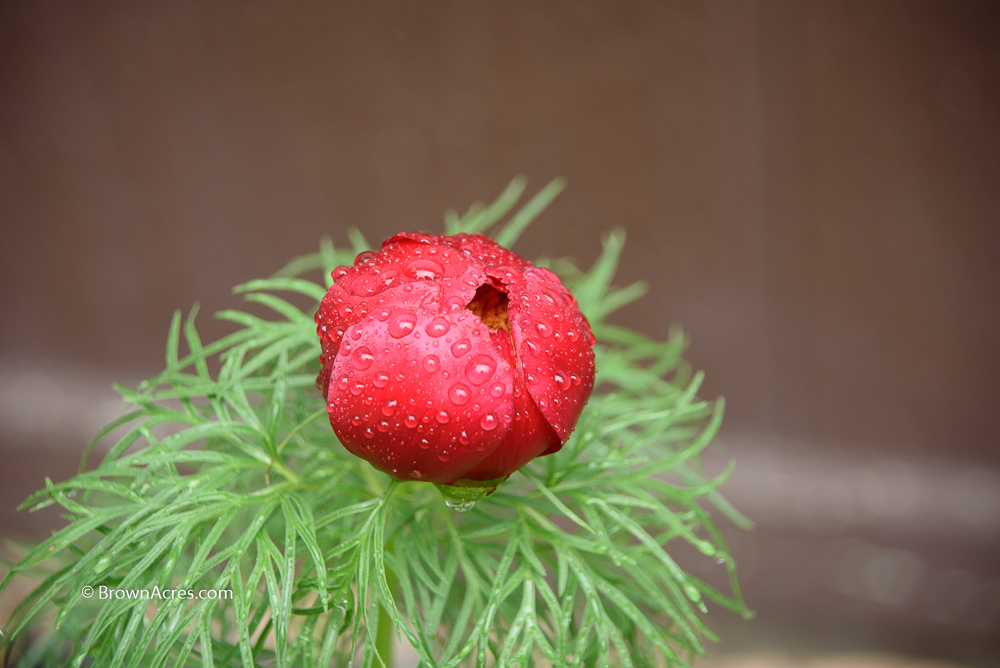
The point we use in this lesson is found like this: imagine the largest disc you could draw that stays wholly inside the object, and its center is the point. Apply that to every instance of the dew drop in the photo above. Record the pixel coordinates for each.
(444, 456)
(424, 444)
(461, 347)
(356, 420)
(389, 407)
(454, 303)
(402, 325)
(410, 421)
(497, 390)
(575, 379)
(531, 379)
(463, 438)
(343, 382)
(383, 426)
(369, 433)
(562, 380)
(431, 363)
(382, 315)
(480, 369)
(416, 475)
(437, 327)
(443, 416)
(544, 328)
(381, 379)
(489, 422)
(424, 269)
(459, 393)
(357, 388)
(460, 506)
(356, 333)
(362, 358)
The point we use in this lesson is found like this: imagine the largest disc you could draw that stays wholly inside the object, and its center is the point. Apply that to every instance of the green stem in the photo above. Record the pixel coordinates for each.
(383, 641)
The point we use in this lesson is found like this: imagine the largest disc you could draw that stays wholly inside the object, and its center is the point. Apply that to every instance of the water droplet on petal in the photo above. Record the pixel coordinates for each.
(431, 363)
(362, 358)
(343, 382)
(402, 325)
(383, 426)
(357, 388)
(410, 421)
(562, 380)
(424, 444)
(381, 379)
(480, 369)
(382, 315)
(444, 456)
(424, 269)
(443, 416)
(531, 379)
(497, 390)
(461, 347)
(356, 333)
(459, 393)
(389, 407)
(575, 379)
(572, 335)
(544, 328)
(489, 422)
(463, 438)
(416, 475)
(437, 327)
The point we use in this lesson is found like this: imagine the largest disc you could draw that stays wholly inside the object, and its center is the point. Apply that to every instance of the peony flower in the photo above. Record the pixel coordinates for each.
(451, 359)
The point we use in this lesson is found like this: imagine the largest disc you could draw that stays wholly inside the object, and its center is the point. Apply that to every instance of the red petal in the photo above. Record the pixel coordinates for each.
(422, 395)
(554, 343)
(529, 436)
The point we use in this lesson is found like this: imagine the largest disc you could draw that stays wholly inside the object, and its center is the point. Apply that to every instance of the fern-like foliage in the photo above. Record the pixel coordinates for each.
(226, 475)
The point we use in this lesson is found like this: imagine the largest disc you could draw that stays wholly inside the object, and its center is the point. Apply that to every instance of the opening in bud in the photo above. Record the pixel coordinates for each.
(490, 305)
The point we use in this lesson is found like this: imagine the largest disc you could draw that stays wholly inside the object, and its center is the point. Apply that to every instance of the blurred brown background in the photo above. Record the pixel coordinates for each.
(812, 189)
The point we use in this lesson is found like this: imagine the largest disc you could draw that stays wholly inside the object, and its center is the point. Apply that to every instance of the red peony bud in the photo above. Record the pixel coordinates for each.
(450, 357)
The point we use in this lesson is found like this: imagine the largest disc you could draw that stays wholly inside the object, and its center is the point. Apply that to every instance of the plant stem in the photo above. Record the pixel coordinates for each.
(383, 640)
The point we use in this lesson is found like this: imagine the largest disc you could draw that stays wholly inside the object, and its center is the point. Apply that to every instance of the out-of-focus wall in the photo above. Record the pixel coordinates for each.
(812, 189)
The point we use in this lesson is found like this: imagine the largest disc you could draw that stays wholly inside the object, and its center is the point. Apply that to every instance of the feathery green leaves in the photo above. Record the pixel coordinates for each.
(226, 476)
